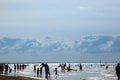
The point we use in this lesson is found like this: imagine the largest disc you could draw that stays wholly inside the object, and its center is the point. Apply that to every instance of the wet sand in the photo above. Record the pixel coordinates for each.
(4, 77)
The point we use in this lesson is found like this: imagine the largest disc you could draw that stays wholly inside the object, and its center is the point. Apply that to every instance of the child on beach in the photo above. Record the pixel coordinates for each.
(56, 72)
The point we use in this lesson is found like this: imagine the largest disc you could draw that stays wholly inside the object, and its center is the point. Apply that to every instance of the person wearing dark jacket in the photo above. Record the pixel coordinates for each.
(117, 68)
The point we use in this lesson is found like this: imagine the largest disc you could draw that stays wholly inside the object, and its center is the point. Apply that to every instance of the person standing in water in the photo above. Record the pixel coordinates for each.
(47, 73)
(117, 68)
(41, 68)
(56, 72)
(34, 68)
(38, 72)
(80, 67)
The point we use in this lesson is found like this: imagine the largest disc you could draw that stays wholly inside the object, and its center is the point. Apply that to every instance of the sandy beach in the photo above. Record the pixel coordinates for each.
(4, 77)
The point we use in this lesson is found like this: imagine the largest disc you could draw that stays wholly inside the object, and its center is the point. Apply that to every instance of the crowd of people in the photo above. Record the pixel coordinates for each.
(5, 69)
(19, 67)
(63, 67)
(68, 68)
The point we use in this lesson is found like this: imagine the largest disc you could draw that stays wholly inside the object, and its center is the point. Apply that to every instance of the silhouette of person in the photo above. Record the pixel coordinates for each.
(38, 72)
(6, 68)
(62, 67)
(41, 67)
(106, 67)
(69, 66)
(1, 68)
(15, 67)
(47, 73)
(117, 68)
(34, 67)
(80, 66)
(56, 72)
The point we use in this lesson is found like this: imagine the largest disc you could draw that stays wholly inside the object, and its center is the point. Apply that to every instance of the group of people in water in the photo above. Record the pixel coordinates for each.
(39, 70)
(63, 67)
(19, 67)
(5, 69)
(68, 68)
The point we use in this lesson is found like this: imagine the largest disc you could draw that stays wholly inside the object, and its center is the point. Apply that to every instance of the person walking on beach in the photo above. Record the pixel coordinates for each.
(117, 68)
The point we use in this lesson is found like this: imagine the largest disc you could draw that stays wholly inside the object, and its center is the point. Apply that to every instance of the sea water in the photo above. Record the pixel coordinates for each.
(90, 71)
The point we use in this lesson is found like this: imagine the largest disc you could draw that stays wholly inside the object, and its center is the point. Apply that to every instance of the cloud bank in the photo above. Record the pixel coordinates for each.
(90, 48)
(86, 44)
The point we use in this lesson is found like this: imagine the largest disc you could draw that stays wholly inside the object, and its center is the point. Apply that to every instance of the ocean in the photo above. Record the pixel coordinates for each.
(90, 71)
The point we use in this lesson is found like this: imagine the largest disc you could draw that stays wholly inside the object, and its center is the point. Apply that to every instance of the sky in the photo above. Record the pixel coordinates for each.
(59, 18)
(62, 19)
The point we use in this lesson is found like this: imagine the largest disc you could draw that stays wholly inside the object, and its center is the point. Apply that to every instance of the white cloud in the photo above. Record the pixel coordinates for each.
(86, 43)
(95, 45)
(107, 46)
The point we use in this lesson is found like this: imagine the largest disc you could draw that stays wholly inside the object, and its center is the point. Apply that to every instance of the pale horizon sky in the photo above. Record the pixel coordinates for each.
(59, 18)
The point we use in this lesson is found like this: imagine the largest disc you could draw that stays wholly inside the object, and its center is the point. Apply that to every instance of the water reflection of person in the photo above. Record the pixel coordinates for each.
(117, 68)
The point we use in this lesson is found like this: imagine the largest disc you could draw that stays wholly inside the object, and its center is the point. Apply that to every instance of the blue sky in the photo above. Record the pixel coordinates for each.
(59, 18)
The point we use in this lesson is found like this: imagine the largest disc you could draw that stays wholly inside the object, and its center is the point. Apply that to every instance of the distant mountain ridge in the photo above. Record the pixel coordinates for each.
(86, 44)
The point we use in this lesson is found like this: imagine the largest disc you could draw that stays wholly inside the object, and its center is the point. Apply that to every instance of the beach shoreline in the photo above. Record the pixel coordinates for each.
(5, 77)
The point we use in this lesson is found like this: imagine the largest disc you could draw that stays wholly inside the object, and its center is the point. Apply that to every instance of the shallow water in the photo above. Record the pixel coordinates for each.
(91, 71)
